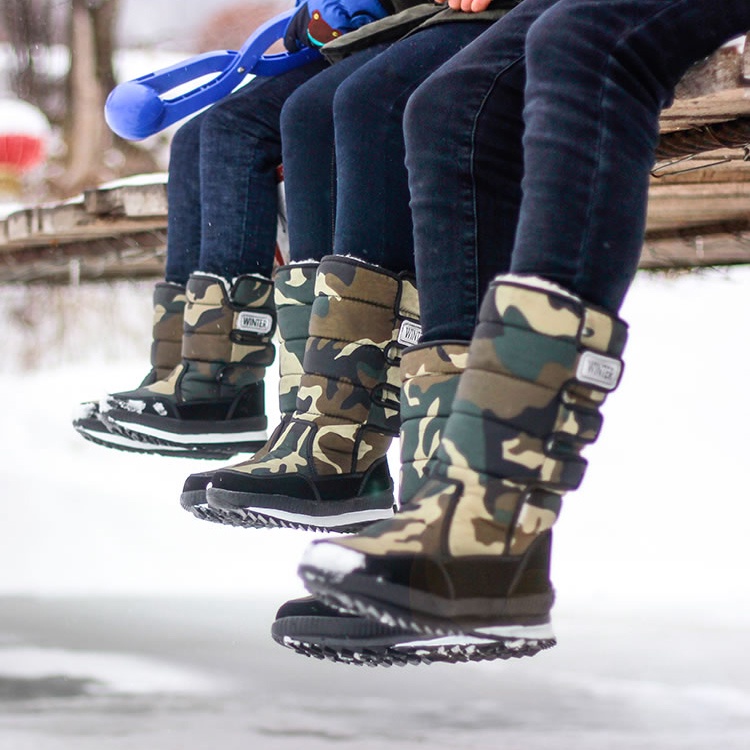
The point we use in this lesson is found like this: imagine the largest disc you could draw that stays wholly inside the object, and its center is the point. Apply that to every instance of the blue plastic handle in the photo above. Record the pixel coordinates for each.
(136, 109)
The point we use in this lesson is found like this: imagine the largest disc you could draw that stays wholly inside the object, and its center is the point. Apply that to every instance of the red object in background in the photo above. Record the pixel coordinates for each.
(24, 134)
(19, 152)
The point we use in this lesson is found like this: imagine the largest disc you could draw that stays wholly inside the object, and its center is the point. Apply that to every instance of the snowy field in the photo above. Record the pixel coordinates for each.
(126, 623)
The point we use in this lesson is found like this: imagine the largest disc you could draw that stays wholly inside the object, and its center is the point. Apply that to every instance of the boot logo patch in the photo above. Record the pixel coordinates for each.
(409, 333)
(253, 322)
(599, 370)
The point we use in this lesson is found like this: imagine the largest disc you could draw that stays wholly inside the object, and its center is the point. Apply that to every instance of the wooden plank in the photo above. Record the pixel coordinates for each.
(713, 90)
(697, 251)
(66, 220)
(71, 221)
(690, 205)
(19, 225)
(721, 72)
(112, 257)
(134, 201)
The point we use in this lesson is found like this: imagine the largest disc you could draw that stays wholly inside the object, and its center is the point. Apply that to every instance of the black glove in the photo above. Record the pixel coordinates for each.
(295, 36)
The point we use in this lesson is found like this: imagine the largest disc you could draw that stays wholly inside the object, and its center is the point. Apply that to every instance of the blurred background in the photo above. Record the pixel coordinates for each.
(126, 623)
(63, 58)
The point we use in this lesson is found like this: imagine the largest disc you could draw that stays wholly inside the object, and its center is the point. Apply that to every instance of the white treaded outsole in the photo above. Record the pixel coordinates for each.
(527, 632)
(193, 438)
(341, 519)
(115, 438)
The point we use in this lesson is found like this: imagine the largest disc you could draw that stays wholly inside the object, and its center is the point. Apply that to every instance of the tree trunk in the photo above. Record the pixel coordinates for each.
(32, 27)
(90, 80)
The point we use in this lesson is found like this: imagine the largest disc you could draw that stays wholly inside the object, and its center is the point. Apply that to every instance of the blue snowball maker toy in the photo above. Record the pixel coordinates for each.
(137, 109)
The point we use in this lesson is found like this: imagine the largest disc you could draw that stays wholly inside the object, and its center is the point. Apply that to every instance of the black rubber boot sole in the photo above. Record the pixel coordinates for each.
(363, 642)
(93, 430)
(193, 498)
(195, 502)
(486, 640)
(163, 447)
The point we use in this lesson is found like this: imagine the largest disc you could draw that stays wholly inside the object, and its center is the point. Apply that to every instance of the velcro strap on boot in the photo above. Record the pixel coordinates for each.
(531, 346)
(575, 423)
(500, 450)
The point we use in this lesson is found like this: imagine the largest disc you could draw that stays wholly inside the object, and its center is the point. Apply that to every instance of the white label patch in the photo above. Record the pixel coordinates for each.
(253, 322)
(409, 333)
(598, 370)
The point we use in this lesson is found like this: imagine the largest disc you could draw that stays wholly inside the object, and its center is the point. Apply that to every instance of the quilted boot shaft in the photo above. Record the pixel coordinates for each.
(331, 454)
(429, 378)
(350, 386)
(472, 548)
(540, 366)
(226, 339)
(294, 293)
(166, 344)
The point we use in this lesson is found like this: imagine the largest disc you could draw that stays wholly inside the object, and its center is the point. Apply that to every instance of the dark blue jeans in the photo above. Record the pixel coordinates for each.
(542, 166)
(362, 98)
(222, 188)
(309, 158)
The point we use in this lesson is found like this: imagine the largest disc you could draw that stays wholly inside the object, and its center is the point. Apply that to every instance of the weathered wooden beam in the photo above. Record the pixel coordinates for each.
(121, 256)
(696, 204)
(724, 228)
(722, 72)
(133, 201)
(713, 90)
(103, 212)
(697, 251)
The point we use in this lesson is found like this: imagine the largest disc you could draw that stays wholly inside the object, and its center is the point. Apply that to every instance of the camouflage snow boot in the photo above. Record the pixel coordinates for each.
(328, 468)
(168, 306)
(213, 401)
(294, 292)
(469, 556)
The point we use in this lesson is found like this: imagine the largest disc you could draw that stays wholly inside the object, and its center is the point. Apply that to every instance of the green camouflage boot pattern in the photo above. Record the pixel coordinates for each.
(294, 292)
(429, 378)
(328, 468)
(168, 307)
(213, 401)
(470, 554)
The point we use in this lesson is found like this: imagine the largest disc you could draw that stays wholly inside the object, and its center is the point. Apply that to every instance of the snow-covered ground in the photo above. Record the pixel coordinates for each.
(126, 623)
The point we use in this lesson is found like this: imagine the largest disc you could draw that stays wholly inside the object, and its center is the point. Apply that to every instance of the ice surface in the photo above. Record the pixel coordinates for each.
(108, 672)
